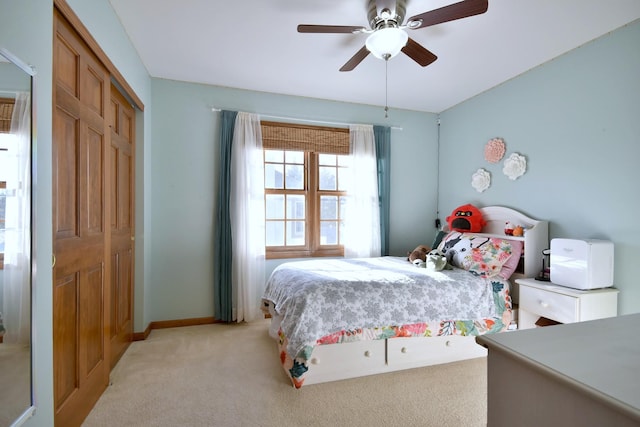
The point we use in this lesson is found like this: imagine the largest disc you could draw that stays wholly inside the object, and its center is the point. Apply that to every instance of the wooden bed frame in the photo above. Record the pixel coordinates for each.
(333, 362)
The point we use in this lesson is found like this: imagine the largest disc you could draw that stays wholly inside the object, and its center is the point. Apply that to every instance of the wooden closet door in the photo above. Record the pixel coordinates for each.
(122, 126)
(81, 270)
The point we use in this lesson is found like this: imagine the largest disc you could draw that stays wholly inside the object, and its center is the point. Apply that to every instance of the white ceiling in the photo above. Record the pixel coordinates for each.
(253, 44)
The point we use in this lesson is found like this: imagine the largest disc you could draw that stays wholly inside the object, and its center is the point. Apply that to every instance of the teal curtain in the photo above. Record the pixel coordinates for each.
(222, 254)
(383, 156)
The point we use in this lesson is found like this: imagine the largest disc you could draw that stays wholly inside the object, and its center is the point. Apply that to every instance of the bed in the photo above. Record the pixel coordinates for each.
(335, 319)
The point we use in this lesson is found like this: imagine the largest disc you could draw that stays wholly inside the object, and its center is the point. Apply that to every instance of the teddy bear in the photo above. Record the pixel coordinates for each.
(419, 255)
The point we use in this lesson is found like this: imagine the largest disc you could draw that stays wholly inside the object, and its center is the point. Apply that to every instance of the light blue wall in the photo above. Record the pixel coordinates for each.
(183, 172)
(577, 121)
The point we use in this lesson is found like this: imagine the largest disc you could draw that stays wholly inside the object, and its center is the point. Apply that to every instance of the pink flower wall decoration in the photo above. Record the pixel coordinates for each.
(494, 150)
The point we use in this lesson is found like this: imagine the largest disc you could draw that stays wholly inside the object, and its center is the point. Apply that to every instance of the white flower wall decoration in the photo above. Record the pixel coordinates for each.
(481, 180)
(515, 166)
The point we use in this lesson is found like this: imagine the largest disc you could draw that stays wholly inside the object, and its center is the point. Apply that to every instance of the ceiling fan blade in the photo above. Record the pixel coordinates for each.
(452, 12)
(330, 29)
(418, 53)
(355, 59)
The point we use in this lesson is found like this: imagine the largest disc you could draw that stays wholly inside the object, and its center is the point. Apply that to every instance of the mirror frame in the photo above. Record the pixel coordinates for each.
(31, 71)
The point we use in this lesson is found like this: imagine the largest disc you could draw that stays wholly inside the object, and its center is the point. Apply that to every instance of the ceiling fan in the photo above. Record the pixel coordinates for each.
(387, 35)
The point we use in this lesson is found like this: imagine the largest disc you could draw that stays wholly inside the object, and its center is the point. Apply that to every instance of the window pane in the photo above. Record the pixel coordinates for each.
(328, 207)
(344, 160)
(343, 179)
(273, 175)
(294, 157)
(295, 177)
(343, 206)
(276, 156)
(274, 233)
(327, 178)
(3, 201)
(327, 159)
(295, 207)
(341, 236)
(295, 233)
(274, 206)
(328, 233)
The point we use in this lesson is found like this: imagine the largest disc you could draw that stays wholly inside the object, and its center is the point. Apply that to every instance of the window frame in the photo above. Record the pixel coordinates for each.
(6, 112)
(3, 186)
(312, 151)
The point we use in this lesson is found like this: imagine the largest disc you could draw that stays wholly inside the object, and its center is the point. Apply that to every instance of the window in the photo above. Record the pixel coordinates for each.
(4, 168)
(305, 190)
(3, 204)
(6, 111)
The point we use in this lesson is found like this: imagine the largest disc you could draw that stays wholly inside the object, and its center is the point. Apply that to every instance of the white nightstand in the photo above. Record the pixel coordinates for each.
(565, 305)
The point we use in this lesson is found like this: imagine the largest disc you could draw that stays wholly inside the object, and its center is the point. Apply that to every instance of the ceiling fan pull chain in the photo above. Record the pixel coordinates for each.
(386, 87)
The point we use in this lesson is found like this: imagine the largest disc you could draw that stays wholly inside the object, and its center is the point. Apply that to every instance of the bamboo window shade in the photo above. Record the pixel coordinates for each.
(319, 139)
(6, 111)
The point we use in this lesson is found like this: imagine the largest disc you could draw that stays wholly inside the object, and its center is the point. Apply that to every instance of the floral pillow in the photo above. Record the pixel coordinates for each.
(480, 255)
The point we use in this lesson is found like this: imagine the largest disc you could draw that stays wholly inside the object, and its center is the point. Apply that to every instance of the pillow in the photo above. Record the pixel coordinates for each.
(509, 267)
(455, 246)
(488, 259)
(481, 255)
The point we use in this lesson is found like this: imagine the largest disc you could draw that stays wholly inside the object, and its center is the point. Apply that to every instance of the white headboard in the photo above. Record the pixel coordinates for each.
(536, 239)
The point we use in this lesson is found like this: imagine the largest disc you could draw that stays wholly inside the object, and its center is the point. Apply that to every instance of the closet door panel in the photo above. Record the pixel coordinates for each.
(92, 314)
(65, 342)
(93, 215)
(65, 180)
(92, 182)
(80, 141)
(122, 226)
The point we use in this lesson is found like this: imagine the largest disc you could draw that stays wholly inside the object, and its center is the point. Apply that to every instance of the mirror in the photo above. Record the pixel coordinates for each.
(16, 396)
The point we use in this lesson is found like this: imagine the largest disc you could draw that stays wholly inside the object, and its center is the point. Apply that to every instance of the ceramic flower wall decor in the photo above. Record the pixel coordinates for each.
(494, 150)
(481, 180)
(515, 166)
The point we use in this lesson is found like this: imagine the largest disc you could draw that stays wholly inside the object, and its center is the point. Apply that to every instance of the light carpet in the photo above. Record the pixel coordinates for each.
(15, 381)
(230, 375)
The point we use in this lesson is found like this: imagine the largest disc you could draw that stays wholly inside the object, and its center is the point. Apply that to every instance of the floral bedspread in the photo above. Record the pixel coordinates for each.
(332, 301)
(297, 367)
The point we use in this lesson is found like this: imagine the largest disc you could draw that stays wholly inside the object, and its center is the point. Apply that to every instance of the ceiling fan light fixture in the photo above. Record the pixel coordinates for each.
(386, 43)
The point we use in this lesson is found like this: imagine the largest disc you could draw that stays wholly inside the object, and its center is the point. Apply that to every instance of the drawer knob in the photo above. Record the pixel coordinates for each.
(315, 361)
(367, 353)
(448, 343)
(544, 304)
(404, 350)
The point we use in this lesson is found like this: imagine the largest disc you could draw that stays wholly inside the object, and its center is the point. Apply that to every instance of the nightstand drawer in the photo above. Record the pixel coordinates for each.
(558, 307)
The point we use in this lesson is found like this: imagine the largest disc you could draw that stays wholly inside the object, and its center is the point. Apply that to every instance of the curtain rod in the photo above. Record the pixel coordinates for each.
(215, 109)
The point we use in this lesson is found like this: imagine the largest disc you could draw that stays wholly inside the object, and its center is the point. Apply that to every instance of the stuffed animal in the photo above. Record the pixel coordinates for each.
(508, 228)
(466, 218)
(513, 230)
(418, 255)
(437, 261)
